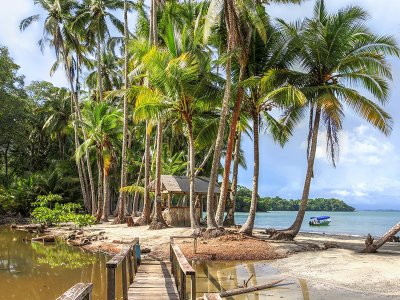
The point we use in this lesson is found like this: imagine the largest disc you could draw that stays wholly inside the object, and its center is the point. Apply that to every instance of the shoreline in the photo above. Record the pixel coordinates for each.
(330, 264)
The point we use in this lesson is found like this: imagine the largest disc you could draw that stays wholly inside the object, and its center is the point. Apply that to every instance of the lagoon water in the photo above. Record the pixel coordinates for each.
(358, 223)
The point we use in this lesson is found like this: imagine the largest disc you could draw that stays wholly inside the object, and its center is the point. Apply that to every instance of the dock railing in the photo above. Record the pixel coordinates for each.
(80, 291)
(126, 258)
(181, 268)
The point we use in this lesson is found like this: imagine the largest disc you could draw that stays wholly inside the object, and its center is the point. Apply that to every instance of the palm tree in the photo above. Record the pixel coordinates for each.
(56, 32)
(183, 92)
(122, 196)
(103, 124)
(91, 21)
(241, 17)
(337, 54)
(58, 106)
(272, 92)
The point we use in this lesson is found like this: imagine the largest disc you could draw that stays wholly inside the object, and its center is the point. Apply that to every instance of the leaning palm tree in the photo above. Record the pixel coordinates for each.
(338, 55)
(242, 17)
(56, 32)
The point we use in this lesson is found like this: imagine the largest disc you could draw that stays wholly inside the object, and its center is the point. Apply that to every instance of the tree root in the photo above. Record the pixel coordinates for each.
(156, 225)
(119, 220)
(142, 221)
(229, 221)
(284, 235)
(213, 232)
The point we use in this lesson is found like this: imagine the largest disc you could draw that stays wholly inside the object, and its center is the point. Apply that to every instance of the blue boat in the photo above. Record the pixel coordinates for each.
(320, 221)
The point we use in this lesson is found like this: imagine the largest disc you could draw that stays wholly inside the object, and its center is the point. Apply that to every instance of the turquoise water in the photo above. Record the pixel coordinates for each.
(353, 223)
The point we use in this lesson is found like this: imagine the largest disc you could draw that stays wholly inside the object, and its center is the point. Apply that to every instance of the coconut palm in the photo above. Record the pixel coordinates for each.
(270, 93)
(241, 18)
(56, 33)
(338, 55)
(103, 124)
(91, 22)
(183, 91)
(58, 106)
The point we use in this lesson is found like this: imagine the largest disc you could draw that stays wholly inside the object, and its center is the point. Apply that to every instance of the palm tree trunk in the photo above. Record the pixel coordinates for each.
(158, 221)
(229, 150)
(99, 71)
(79, 115)
(86, 201)
(211, 223)
(247, 227)
(295, 228)
(122, 195)
(106, 196)
(230, 216)
(372, 247)
(192, 189)
(100, 187)
(145, 217)
(136, 195)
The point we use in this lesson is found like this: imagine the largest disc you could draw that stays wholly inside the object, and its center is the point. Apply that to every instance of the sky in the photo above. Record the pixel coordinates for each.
(367, 175)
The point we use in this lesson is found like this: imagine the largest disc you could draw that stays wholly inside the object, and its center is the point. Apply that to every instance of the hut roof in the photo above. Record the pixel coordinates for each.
(180, 184)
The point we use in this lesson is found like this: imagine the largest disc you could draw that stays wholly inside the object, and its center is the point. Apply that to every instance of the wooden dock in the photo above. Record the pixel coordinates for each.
(153, 281)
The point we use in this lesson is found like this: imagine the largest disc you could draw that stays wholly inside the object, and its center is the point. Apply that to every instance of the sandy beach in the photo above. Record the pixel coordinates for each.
(334, 273)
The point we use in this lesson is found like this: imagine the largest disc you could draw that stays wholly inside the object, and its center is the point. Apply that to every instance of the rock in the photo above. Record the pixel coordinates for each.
(80, 242)
(145, 250)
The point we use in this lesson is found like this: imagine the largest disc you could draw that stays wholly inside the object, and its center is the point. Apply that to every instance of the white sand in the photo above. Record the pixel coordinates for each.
(370, 274)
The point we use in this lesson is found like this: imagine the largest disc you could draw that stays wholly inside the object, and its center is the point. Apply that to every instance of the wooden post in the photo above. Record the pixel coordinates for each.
(110, 283)
(193, 286)
(169, 200)
(130, 266)
(183, 285)
(124, 282)
(135, 258)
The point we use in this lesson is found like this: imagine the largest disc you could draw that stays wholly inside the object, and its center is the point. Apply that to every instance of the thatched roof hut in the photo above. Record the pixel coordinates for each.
(180, 185)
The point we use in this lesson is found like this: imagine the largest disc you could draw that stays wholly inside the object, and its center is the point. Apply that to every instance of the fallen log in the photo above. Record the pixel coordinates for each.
(45, 239)
(246, 290)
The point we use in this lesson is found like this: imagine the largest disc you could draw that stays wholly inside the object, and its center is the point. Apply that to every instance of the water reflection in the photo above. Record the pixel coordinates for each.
(217, 276)
(43, 272)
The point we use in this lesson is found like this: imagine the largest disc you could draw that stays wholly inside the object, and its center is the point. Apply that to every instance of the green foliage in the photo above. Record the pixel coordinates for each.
(84, 220)
(61, 213)
(243, 199)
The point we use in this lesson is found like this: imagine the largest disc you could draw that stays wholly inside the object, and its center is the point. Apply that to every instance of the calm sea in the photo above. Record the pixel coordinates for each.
(352, 223)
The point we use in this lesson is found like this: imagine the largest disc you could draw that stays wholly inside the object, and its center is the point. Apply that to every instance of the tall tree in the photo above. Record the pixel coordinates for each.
(338, 55)
(58, 13)
(122, 195)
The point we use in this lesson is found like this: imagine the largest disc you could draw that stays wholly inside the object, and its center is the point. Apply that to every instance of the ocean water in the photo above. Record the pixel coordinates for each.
(358, 223)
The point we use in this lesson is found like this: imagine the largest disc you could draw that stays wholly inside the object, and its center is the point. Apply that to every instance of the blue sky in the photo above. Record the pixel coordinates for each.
(367, 175)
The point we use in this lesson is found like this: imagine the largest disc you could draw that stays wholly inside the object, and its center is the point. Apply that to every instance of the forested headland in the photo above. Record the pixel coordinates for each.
(264, 204)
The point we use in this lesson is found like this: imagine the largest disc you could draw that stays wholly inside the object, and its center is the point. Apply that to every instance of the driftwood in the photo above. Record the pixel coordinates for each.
(242, 291)
(45, 239)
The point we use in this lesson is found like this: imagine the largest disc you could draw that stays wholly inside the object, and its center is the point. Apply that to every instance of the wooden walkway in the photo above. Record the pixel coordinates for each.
(153, 280)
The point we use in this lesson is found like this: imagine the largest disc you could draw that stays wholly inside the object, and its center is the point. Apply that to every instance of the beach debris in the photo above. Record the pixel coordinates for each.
(241, 291)
(79, 242)
(44, 239)
(329, 245)
(369, 240)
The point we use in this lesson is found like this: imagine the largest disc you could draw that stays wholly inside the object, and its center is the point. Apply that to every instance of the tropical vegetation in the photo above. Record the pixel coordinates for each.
(174, 94)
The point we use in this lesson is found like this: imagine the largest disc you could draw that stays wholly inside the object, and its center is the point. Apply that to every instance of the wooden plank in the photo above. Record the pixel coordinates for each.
(79, 291)
(153, 281)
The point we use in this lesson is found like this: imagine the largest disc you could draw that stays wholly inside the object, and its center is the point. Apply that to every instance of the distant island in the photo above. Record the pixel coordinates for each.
(243, 199)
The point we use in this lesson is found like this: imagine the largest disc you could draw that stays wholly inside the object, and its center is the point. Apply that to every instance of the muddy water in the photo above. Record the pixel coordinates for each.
(43, 272)
(216, 276)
